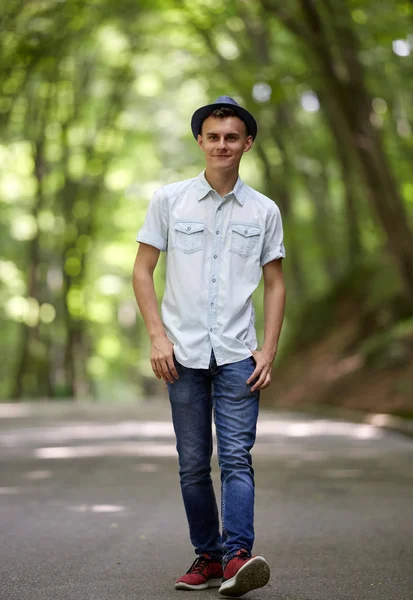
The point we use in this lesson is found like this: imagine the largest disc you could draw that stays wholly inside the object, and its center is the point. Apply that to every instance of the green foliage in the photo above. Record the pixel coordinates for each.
(95, 106)
(390, 348)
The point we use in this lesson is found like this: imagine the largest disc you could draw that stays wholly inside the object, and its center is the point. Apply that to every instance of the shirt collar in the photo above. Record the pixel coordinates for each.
(203, 189)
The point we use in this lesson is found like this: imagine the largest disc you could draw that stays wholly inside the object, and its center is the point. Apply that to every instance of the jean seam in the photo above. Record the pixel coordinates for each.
(218, 456)
(213, 415)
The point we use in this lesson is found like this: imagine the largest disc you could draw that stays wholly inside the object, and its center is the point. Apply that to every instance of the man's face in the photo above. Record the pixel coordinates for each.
(224, 141)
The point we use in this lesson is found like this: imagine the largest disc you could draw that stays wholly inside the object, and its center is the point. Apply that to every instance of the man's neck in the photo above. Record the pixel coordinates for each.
(222, 182)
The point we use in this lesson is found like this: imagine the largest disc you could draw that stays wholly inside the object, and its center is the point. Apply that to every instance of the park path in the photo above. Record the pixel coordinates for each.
(90, 506)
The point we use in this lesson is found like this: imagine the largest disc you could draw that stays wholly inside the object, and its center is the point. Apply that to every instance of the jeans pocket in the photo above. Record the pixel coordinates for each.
(189, 236)
(245, 239)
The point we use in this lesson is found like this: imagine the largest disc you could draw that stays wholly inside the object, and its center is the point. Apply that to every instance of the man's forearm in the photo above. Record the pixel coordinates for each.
(144, 289)
(274, 305)
(162, 349)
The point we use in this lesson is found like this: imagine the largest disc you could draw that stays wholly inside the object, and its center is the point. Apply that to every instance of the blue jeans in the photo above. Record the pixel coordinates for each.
(194, 396)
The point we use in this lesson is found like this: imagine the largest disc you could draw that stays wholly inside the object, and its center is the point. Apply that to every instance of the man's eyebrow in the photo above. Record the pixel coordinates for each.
(230, 133)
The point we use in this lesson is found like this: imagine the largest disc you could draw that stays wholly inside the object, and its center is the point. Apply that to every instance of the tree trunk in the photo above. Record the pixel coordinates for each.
(32, 376)
(348, 167)
(350, 95)
(276, 187)
(317, 187)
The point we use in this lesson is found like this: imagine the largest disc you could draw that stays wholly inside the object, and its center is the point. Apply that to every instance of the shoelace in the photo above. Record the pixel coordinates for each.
(242, 554)
(199, 564)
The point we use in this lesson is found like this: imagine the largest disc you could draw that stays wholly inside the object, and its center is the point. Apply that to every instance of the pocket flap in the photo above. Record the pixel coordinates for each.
(246, 230)
(189, 226)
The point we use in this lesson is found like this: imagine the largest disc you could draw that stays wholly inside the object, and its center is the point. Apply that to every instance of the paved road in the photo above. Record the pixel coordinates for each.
(90, 507)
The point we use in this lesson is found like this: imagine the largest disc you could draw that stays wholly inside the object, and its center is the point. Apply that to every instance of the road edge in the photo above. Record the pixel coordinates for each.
(379, 420)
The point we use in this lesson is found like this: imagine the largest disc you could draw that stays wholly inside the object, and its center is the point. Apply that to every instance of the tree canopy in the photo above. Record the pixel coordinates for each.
(95, 106)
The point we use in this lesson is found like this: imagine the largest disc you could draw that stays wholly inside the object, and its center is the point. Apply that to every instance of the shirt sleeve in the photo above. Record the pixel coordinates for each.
(273, 247)
(155, 227)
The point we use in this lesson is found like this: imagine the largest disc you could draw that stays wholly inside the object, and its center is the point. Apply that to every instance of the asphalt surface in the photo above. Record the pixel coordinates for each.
(90, 506)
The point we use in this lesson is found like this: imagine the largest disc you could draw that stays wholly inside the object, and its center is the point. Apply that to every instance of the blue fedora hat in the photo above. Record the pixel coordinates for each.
(202, 113)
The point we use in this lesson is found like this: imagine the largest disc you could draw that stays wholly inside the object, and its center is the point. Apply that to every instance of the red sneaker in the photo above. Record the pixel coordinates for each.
(244, 573)
(205, 572)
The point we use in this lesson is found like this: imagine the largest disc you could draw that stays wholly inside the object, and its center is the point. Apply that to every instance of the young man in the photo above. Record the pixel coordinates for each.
(218, 234)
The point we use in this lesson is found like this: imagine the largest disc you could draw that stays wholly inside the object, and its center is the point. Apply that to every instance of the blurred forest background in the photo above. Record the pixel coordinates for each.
(95, 104)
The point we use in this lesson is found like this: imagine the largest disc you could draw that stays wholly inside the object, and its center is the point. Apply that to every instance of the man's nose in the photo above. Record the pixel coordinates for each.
(222, 143)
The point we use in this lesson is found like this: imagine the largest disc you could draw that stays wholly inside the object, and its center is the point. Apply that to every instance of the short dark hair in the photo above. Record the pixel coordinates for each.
(223, 112)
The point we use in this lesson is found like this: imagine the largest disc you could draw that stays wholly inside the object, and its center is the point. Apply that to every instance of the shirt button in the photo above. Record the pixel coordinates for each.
(211, 330)
(188, 229)
(246, 231)
(215, 256)
(219, 207)
(212, 304)
(214, 280)
(217, 232)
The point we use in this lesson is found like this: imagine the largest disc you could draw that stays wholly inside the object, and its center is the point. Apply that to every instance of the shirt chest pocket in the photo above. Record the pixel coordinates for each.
(245, 239)
(189, 236)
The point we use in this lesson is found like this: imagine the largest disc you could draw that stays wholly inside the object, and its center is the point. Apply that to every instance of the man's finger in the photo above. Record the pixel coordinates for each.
(162, 373)
(155, 368)
(166, 372)
(266, 382)
(256, 372)
(258, 384)
(172, 367)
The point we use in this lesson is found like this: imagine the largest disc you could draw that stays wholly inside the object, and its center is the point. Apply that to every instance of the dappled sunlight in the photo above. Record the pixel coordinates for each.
(95, 110)
(146, 468)
(9, 491)
(390, 422)
(270, 431)
(380, 420)
(107, 449)
(37, 475)
(81, 431)
(324, 427)
(96, 508)
(115, 104)
(342, 473)
(310, 102)
(401, 47)
(298, 461)
(13, 411)
(156, 439)
(267, 428)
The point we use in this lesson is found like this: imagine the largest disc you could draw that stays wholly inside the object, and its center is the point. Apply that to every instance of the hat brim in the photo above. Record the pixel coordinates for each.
(202, 113)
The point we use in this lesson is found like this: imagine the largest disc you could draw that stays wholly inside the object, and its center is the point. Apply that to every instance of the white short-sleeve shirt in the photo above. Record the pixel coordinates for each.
(215, 248)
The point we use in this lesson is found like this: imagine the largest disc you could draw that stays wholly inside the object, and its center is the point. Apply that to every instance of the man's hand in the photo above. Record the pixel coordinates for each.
(162, 359)
(262, 371)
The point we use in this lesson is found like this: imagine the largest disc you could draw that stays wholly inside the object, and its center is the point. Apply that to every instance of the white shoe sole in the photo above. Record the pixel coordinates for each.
(203, 586)
(251, 576)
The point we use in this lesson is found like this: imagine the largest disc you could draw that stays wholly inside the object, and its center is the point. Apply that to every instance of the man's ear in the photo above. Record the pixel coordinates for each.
(200, 141)
(248, 143)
